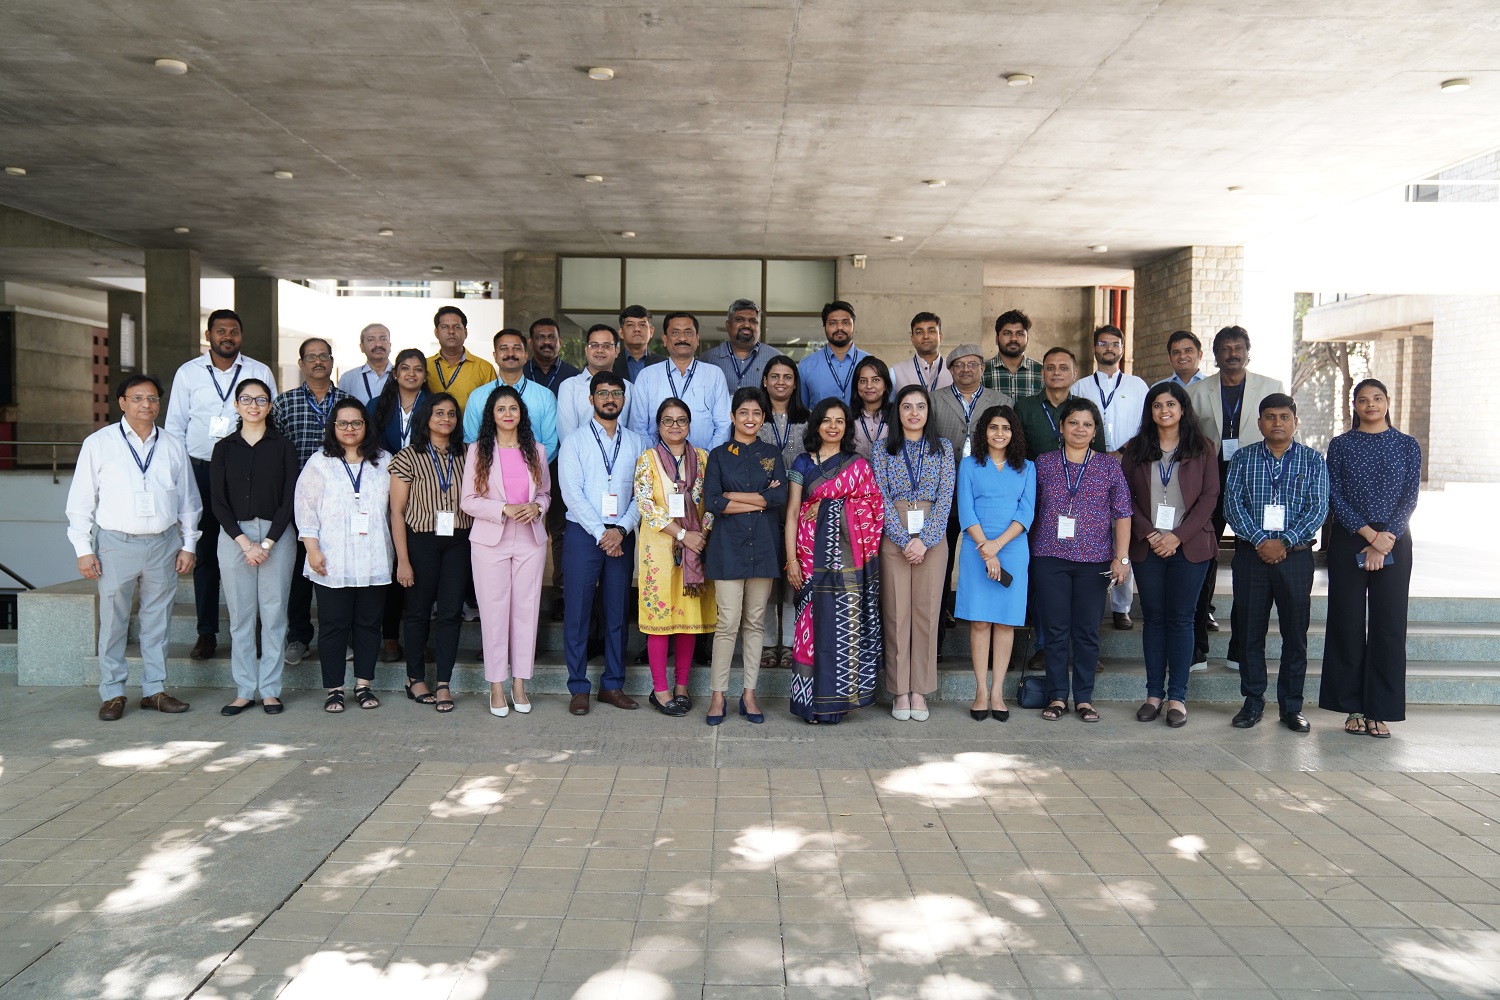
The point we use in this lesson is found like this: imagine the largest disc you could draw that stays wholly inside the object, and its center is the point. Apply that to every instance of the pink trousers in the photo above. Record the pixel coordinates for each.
(508, 586)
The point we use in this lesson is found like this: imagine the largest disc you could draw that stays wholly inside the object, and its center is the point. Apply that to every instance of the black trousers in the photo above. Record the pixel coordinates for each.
(206, 569)
(1206, 595)
(1364, 665)
(348, 616)
(440, 572)
(1070, 598)
(299, 626)
(1287, 585)
(395, 607)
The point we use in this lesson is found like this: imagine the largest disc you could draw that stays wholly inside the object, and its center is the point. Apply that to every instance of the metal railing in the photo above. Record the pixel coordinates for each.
(17, 577)
(10, 454)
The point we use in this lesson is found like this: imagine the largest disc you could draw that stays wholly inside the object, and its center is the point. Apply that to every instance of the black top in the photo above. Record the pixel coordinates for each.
(250, 482)
(744, 546)
(1234, 412)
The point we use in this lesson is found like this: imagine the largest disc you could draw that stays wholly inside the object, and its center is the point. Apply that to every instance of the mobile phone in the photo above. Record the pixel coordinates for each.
(1005, 577)
(1389, 560)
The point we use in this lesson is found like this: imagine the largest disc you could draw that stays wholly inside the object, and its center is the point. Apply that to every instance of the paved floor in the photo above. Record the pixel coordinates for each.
(396, 853)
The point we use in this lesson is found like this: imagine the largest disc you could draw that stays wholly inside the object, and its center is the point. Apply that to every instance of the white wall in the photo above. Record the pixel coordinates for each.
(33, 528)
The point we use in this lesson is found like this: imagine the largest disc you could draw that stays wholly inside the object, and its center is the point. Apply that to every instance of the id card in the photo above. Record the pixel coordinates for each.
(676, 505)
(1230, 446)
(1067, 527)
(968, 446)
(1166, 517)
(444, 526)
(145, 504)
(220, 427)
(609, 505)
(915, 519)
(1273, 518)
(359, 522)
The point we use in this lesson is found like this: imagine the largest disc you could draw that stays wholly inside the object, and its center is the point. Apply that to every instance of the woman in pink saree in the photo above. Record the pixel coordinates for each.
(834, 520)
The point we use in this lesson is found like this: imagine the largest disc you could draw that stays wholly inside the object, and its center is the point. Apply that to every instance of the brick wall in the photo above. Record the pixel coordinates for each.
(1466, 367)
(1195, 288)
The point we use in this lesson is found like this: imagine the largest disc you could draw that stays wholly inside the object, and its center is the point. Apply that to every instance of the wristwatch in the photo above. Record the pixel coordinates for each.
(266, 544)
(681, 534)
(1124, 560)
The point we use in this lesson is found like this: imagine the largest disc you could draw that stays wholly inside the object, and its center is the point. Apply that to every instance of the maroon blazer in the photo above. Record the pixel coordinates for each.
(1199, 479)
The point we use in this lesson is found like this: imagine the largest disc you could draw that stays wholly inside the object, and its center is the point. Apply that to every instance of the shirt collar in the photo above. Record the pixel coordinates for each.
(125, 425)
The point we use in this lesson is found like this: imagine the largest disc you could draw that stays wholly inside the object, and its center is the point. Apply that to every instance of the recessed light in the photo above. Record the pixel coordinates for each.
(936, 183)
(437, 269)
(171, 67)
(16, 171)
(386, 231)
(1099, 247)
(626, 234)
(895, 239)
(282, 175)
(601, 73)
(594, 178)
(1234, 189)
(181, 230)
(1019, 79)
(1456, 85)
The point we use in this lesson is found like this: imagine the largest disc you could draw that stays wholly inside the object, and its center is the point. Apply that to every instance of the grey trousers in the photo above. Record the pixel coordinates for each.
(256, 590)
(740, 603)
(124, 561)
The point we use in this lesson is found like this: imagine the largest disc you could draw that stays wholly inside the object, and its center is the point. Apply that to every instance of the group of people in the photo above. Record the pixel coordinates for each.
(824, 501)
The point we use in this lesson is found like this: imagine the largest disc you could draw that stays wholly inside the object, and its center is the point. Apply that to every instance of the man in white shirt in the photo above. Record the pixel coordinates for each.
(698, 384)
(1119, 397)
(200, 411)
(132, 489)
(926, 367)
(365, 382)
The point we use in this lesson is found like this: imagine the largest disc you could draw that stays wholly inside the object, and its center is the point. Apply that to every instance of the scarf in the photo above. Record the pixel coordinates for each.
(691, 562)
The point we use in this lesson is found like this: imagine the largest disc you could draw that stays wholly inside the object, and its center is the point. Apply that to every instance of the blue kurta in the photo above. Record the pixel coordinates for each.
(993, 498)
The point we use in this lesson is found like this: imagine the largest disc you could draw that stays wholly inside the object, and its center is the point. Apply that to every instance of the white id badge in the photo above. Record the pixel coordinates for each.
(609, 505)
(1166, 517)
(968, 446)
(220, 427)
(445, 523)
(1274, 518)
(1230, 445)
(359, 522)
(676, 505)
(1067, 527)
(915, 519)
(145, 504)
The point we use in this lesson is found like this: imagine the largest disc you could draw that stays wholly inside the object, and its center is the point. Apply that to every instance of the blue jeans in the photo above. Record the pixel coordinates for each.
(1169, 601)
(1070, 602)
(588, 568)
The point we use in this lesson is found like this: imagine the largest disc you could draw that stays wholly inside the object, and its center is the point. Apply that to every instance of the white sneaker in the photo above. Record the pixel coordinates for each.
(1200, 665)
(1233, 665)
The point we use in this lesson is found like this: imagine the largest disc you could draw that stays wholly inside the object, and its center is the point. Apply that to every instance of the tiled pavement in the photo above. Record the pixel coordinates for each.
(396, 854)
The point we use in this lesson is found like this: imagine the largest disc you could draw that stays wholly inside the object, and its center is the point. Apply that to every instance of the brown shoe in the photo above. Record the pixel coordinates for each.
(1123, 622)
(617, 698)
(111, 710)
(205, 647)
(163, 702)
(580, 704)
(390, 651)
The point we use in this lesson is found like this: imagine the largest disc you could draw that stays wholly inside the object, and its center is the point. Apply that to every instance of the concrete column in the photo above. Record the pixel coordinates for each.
(1199, 289)
(258, 301)
(531, 292)
(887, 292)
(126, 310)
(174, 324)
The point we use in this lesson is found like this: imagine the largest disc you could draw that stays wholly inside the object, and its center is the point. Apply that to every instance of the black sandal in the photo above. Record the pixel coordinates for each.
(365, 696)
(1086, 712)
(444, 705)
(421, 699)
(1054, 711)
(334, 703)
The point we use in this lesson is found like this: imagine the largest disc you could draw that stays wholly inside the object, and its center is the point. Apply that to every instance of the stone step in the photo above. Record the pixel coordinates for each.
(1119, 680)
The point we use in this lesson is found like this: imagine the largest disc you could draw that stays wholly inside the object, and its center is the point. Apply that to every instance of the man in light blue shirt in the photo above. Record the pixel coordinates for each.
(743, 357)
(829, 372)
(697, 383)
(366, 382)
(596, 473)
(541, 405)
(575, 406)
(1186, 354)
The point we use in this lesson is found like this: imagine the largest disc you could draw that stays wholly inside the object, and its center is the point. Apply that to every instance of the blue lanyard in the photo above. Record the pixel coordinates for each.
(1051, 419)
(213, 376)
(915, 475)
(354, 480)
(843, 386)
(322, 414)
(405, 419)
(444, 481)
(1278, 476)
(1164, 469)
(448, 382)
(969, 408)
(609, 461)
(556, 371)
(1074, 487)
(1233, 415)
(687, 379)
(879, 431)
(1106, 400)
(937, 372)
(143, 466)
(740, 373)
(380, 382)
(780, 438)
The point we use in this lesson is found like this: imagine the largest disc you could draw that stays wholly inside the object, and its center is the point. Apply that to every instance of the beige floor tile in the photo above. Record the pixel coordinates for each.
(446, 929)
(527, 932)
(604, 906)
(374, 928)
(613, 935)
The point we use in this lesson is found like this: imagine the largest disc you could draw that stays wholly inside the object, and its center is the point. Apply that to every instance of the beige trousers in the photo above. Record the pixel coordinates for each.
(741, 602)
(910, 603)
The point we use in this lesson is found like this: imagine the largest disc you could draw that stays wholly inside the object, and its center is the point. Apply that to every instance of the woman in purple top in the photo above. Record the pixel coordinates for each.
(1080, 543)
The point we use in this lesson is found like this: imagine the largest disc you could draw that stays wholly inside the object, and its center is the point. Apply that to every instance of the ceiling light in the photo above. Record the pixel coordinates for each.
(171, 67)
(1457, 85)
(626, 234)
(1234, 189)
(16, 171)
(181, 230)
(1099, 247)
(601, 73)
(437, 269)
(282, 175)
(387, 231)
(936, 183)
(594, 178)
(895, 239)
(1019, 79)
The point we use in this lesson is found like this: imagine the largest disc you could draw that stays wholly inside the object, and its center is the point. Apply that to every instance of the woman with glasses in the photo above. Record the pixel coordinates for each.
(785, 426)
(431, 536)
(253, 482)
(343, 511)
(870, 402)
(676, 596)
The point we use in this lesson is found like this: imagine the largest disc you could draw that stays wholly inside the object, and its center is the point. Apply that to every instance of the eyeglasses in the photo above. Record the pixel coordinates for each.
(610, 393)
(966, 366)
(138, 400)
(317, 357)
(252, 400)
(348, 425)
(676, 421)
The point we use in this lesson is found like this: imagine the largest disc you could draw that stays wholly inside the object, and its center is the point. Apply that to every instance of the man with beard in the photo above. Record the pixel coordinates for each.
(1011, 371)
(684, 377)
(596, 470)
(541, 405)
(365, 382)
(925, 367)
(743, 357)
(200, 411)
(545, 368)
(830, 371)
(635, 335)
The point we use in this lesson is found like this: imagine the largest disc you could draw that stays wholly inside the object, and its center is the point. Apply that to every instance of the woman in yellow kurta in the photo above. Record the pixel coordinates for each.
(676, 600)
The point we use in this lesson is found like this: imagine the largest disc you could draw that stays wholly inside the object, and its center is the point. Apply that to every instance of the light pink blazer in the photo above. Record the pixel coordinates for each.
(491, 526)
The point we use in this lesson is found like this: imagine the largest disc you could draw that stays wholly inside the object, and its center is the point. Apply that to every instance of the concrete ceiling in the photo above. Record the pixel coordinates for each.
(762, 127)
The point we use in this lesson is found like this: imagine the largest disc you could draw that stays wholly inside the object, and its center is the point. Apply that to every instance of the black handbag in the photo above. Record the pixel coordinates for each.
(1031, 689)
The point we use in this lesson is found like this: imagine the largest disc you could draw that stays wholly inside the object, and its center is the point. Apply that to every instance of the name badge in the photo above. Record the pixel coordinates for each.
(609, 505)
(1067, 526)
(1230, 446)
(359, 522)
(1273, 518)
(1166, 517)
(220, 427)
(145, 504)
(445, 523)
(915, 519)
(676, 505)
(968, 446)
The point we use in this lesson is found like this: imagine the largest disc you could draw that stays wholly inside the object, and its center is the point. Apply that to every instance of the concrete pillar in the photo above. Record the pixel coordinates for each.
(887, 292)
(1200, 289)
(174, 324)
(126, 331)
(531, 292)
(258, 301)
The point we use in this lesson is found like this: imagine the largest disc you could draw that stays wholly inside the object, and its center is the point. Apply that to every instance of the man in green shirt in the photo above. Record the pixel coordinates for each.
(1038, 414)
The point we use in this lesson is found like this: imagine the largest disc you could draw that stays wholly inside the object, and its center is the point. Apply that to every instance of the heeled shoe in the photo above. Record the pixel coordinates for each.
(504, 708)
(979, 714)
(1000, 716)
(421, 699)
(755, 717)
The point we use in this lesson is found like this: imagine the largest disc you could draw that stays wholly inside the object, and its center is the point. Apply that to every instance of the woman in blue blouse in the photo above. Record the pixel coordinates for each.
(914, 469)
(996, 504)
(1374, 476)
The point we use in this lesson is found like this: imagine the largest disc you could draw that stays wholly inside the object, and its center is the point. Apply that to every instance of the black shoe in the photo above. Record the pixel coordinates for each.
(1246, 717)
(1123, 622)
(685, 701)
(643, 657)
(1213, 623)
(205, 647)
(1147, 712)
(948, 620)
(272, 707)
(979, 714)
(233, 710)
(1000, 716)
(1296, 722)
(671, 708)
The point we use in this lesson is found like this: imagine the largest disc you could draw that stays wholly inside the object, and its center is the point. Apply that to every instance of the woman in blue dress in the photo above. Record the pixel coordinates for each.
(996, 502)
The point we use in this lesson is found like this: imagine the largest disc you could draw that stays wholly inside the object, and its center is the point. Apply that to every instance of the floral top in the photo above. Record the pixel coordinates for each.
(1374, 479)
(1099, 497)
(935, 476)
(327, 510)
(653, 515)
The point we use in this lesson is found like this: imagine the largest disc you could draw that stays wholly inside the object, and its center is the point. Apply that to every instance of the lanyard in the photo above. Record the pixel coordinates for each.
(1164, 469)
(969, 407)
(322, 414)
(609, 461)
(776, 430)
(1074, 487)
(843, 386)
(143, 466)
(379, 381)
(444, 480)
(556, 371)
(740, 373)
(1232, 416)
(447, 383)
(213, 376)
(1278, 476)
(677, 465)
(687, 379)
(915, 475)
(1106, 400)
(1051, 419)
(405, 416)
(879, 430)
(936, 372)
(354, 480)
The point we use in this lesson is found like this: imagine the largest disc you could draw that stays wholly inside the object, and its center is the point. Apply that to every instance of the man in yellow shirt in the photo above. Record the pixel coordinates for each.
(452, 369)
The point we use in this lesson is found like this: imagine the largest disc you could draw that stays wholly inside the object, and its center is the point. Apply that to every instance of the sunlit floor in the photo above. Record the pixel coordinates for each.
(397, 854)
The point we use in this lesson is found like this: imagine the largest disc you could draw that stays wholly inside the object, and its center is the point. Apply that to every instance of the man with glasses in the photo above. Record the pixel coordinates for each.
(132, 490)
(199, 413)
(365, 382)
(545, 368)
(301, 415)
(743, 356)
(452, 369)
(696, 383)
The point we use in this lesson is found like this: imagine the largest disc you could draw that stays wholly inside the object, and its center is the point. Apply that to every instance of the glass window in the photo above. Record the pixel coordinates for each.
(703, 286)
(798, 285)
(590, 283)
(797, 336)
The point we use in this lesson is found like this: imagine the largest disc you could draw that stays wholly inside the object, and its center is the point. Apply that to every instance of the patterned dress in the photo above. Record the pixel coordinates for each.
(664, 608)
(837, 648)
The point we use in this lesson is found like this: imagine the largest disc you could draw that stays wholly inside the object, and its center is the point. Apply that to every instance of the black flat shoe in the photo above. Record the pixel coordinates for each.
(685, 701)
(979, 714)
(671, 708)
(1000, 716)
(1147, 712)
(272, 707)
(233, 710)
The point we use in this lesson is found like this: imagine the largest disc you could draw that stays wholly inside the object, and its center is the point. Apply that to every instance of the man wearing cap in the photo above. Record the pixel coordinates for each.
(744, 356)
(926, 367)
(830, 371)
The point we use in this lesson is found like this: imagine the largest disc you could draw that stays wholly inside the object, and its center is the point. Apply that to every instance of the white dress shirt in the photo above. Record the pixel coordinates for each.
(109, 470)
(202, 395)
(363, 383)
(574, 409)
(701, 387)
(1119, 398)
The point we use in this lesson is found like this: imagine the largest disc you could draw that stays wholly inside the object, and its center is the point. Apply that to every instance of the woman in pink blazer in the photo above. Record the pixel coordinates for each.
(507, 490)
